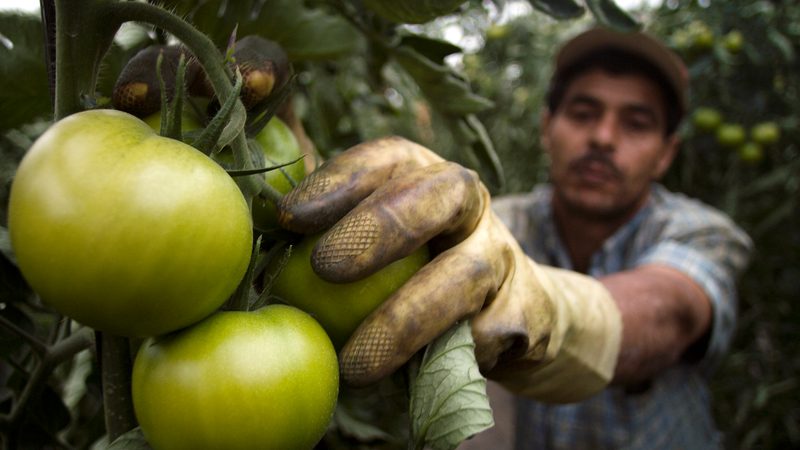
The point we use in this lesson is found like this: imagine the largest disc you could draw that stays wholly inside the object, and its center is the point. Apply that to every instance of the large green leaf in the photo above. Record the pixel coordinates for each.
(25, 92)
(559, 9)
(447, 92)
(305, 33)
(448, 396)
(610, 14)
(412, 11)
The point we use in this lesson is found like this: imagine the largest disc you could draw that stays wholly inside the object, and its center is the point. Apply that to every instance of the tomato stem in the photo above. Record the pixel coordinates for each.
(115, 361)
(82, 38)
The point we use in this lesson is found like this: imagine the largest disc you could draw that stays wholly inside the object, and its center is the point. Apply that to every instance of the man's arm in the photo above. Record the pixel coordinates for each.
(663, 313)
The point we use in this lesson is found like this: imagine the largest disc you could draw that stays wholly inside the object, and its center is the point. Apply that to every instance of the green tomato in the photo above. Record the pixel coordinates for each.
(339, 307)
(750, 152)
(765, 133)
(702, 36)
(279, 146)
(266, 379)
(126, 231)
(706, 118)
(733, 41)
(730, 134)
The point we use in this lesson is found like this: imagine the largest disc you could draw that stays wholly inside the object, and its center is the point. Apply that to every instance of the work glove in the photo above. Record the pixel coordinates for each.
(546, 333)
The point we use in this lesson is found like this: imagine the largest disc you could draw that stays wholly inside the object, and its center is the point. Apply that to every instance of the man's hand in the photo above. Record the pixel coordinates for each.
(538, 330)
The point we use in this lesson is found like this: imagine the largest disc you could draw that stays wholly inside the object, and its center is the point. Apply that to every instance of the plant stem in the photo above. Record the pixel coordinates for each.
(38, 346)
(82, 38)
(116, 366)
(54, 356)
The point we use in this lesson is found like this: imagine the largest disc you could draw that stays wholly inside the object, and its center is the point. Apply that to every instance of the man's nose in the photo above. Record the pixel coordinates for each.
(604, 133)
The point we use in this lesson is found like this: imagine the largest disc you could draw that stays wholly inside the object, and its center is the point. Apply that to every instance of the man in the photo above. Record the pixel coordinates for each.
(669, 262)
(608, 351)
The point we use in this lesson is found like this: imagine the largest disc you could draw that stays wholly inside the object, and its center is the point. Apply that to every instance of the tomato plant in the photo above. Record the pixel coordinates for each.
(265, 379)
(126, 231)
(110, 269)
(340, 308)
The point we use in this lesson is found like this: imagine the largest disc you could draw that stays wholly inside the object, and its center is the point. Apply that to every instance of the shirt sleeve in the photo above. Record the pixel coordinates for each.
(706, 246)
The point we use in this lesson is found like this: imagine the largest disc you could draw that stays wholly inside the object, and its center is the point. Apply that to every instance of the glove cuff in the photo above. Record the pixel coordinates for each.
(577, 359)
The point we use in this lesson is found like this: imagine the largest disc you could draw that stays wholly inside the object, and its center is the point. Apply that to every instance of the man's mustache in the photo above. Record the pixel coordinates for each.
(593, 158)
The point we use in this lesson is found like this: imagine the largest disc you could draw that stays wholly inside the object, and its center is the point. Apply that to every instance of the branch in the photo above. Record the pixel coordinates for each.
(53, 356)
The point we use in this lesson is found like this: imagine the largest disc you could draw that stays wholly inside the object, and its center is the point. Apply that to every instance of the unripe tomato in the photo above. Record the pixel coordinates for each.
(733, 41)
(497, 32)
(339, 308)
(750, 152)
(266, 379)
(706, 118)
(730, 135)
(279, 146)
(126, 231)
(702, 36)
(765, 133)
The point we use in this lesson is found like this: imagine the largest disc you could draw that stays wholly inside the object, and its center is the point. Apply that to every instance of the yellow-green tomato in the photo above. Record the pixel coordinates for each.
(126, 231)
(266, 379)
(731, 134)
(751, 152)
(340, 308)
(279, 146)
(706, 118)
(733, 41)
(765, 133)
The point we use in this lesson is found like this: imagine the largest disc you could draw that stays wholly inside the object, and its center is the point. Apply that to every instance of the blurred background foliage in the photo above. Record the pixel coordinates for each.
(470, 86)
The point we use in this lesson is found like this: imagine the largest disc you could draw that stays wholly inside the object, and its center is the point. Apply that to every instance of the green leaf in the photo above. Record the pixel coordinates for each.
(132, 440)
(305, 33)
(226, 123)
(608, 13)
(412, 11)
(431, 48)
(448, 397)
(783, 44)
(446, 91)
(25, 92)
(559, 9)
(246, 172)
(481, 149)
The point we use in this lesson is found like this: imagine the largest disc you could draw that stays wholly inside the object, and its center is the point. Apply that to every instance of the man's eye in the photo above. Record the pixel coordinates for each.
(581, 114)
(638, 125)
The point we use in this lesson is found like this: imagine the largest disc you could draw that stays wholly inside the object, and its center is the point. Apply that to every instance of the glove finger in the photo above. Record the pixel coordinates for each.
(398, 218)
(448, 289)
(452, 287)
(339, 184)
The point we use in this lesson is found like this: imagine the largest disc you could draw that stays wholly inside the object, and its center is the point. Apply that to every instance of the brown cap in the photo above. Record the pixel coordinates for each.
(640, 43)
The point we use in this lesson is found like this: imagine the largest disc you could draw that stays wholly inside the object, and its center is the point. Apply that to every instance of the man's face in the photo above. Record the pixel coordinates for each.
(606, 144)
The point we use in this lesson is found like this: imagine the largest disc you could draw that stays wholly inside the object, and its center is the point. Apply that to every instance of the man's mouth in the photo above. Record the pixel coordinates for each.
(595, 170)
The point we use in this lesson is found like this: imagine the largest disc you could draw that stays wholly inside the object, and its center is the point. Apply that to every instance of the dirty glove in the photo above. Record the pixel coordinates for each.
(546, 333)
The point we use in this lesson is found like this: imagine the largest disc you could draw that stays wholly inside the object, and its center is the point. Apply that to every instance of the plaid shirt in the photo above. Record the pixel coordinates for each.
(673, 410)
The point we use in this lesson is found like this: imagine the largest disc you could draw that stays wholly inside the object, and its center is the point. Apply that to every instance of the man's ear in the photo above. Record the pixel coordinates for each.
(544, 129)
(671, 146)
